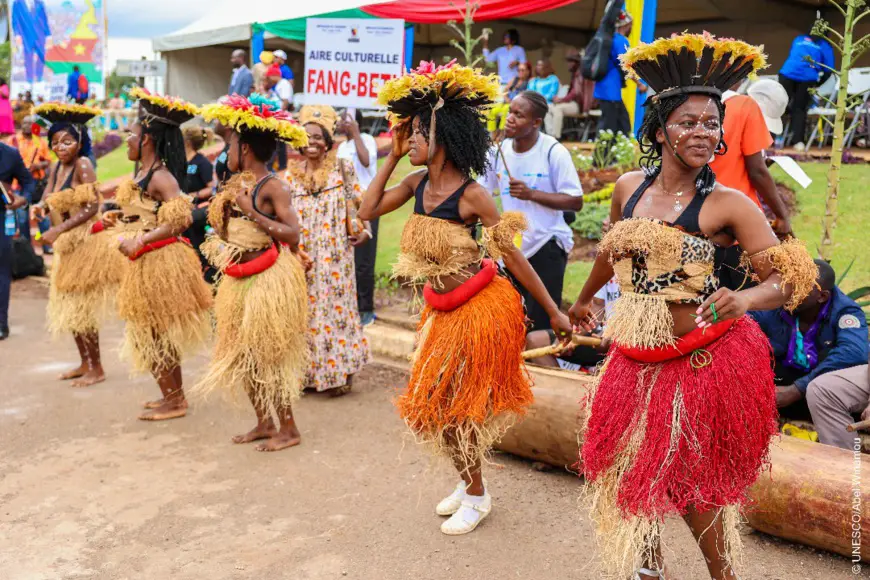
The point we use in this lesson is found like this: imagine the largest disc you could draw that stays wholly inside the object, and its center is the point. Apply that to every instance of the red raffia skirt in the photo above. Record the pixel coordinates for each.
(677, 427)
(468, 382)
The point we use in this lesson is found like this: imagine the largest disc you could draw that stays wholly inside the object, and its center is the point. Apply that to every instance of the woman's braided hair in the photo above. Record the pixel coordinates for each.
(169, 147)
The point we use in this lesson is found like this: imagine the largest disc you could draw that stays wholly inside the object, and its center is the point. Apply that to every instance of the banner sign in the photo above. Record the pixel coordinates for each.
(347, 60)
(141, 68)
(50, 38)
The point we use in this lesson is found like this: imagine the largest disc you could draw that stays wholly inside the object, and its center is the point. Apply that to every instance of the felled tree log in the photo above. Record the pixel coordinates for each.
(815, 495)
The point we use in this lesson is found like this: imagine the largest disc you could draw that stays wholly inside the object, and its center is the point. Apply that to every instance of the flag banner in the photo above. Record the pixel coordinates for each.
(50, 38)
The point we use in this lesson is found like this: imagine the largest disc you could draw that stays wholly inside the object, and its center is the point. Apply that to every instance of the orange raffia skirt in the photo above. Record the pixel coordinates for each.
(673, 428)
(468, 381)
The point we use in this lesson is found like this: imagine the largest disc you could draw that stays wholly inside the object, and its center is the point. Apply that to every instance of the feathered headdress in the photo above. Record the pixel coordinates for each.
(256, 114)
(163, 109)
(65, 113)
(323, 115)
(430, 87)
(433, 87)
(692, 64)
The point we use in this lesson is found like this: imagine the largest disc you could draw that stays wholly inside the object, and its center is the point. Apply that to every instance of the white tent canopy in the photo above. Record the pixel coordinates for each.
(231, 21)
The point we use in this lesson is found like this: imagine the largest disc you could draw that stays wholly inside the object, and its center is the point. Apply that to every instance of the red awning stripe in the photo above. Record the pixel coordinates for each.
(440, 11)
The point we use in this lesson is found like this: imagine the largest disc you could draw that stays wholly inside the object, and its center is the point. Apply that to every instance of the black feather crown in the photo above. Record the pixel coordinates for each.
(692, 63)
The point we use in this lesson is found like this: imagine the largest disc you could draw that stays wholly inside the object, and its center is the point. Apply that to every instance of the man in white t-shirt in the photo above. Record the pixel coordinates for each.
(535, 175)
(362, 150)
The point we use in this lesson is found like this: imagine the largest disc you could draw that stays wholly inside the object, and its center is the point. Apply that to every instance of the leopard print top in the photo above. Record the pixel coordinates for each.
(652, 258)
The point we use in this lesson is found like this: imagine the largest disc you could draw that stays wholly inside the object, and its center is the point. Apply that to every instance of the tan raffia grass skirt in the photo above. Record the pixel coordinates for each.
(85, 275)
(262, 336)
(165, 303)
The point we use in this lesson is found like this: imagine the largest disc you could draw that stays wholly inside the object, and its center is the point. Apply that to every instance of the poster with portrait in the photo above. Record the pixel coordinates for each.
(58, 48)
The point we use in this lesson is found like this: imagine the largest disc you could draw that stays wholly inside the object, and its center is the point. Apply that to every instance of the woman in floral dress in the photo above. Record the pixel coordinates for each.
(322, 190)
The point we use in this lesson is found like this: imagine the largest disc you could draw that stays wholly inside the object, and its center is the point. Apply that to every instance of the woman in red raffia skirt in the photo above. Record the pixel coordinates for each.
(684, 409)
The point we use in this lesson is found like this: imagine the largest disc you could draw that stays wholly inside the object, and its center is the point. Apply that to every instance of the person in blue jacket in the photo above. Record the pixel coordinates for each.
(826, 333)
(809, 64)
(608, 91)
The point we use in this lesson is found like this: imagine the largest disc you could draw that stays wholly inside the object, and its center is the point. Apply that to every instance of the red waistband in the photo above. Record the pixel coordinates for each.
(686, 344)
(459, 296)
(157, 245)
(97, 227)
(259, 264)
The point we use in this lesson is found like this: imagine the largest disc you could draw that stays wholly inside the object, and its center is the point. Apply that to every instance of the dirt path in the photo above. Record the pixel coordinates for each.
(87, 491)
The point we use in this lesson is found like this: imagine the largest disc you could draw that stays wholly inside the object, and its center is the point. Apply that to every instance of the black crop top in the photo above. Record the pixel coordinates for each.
(256, 192)
(447, 209)
(732, 274)
(687, 221)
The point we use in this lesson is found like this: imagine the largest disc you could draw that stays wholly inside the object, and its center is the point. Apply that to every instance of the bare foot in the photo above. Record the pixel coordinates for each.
(75, 373)
(153, 404)
(255, 434)
(168, 410)
(280, 441)
(91, 377)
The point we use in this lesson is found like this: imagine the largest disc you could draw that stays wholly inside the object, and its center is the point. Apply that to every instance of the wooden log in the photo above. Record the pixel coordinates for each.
(550, 429)
(806, 497)
(811, 494)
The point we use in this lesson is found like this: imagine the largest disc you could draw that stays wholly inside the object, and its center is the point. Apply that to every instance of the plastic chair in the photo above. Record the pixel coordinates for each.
(859, 84)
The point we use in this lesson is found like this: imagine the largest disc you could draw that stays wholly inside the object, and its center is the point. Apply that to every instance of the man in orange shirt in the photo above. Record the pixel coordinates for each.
(34, 151)
(747, 134)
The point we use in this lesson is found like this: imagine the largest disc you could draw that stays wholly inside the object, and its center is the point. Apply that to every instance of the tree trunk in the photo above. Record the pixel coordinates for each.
(829, 221)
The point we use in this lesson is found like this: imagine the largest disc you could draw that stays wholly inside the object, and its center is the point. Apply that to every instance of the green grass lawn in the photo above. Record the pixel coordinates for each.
(113, 165)
(854, 217)
(848, 239)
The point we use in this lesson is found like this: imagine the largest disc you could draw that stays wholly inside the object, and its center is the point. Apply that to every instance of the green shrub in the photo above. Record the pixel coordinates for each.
(590, 220)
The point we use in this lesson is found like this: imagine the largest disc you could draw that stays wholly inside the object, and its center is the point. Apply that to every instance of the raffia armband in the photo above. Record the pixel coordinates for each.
(176, 213)
(498, 240)
(69, 200)
(794, 263)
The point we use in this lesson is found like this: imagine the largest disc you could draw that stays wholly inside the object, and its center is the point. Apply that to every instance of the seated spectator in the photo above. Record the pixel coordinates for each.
(545, 81)
(497, 116)
(579, 99)
(835, 399)
(827, 333)
(581, 357)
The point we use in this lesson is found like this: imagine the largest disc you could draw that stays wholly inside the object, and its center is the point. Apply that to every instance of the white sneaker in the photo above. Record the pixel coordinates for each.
(800, 146)
(471, 512)
(451, 503)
